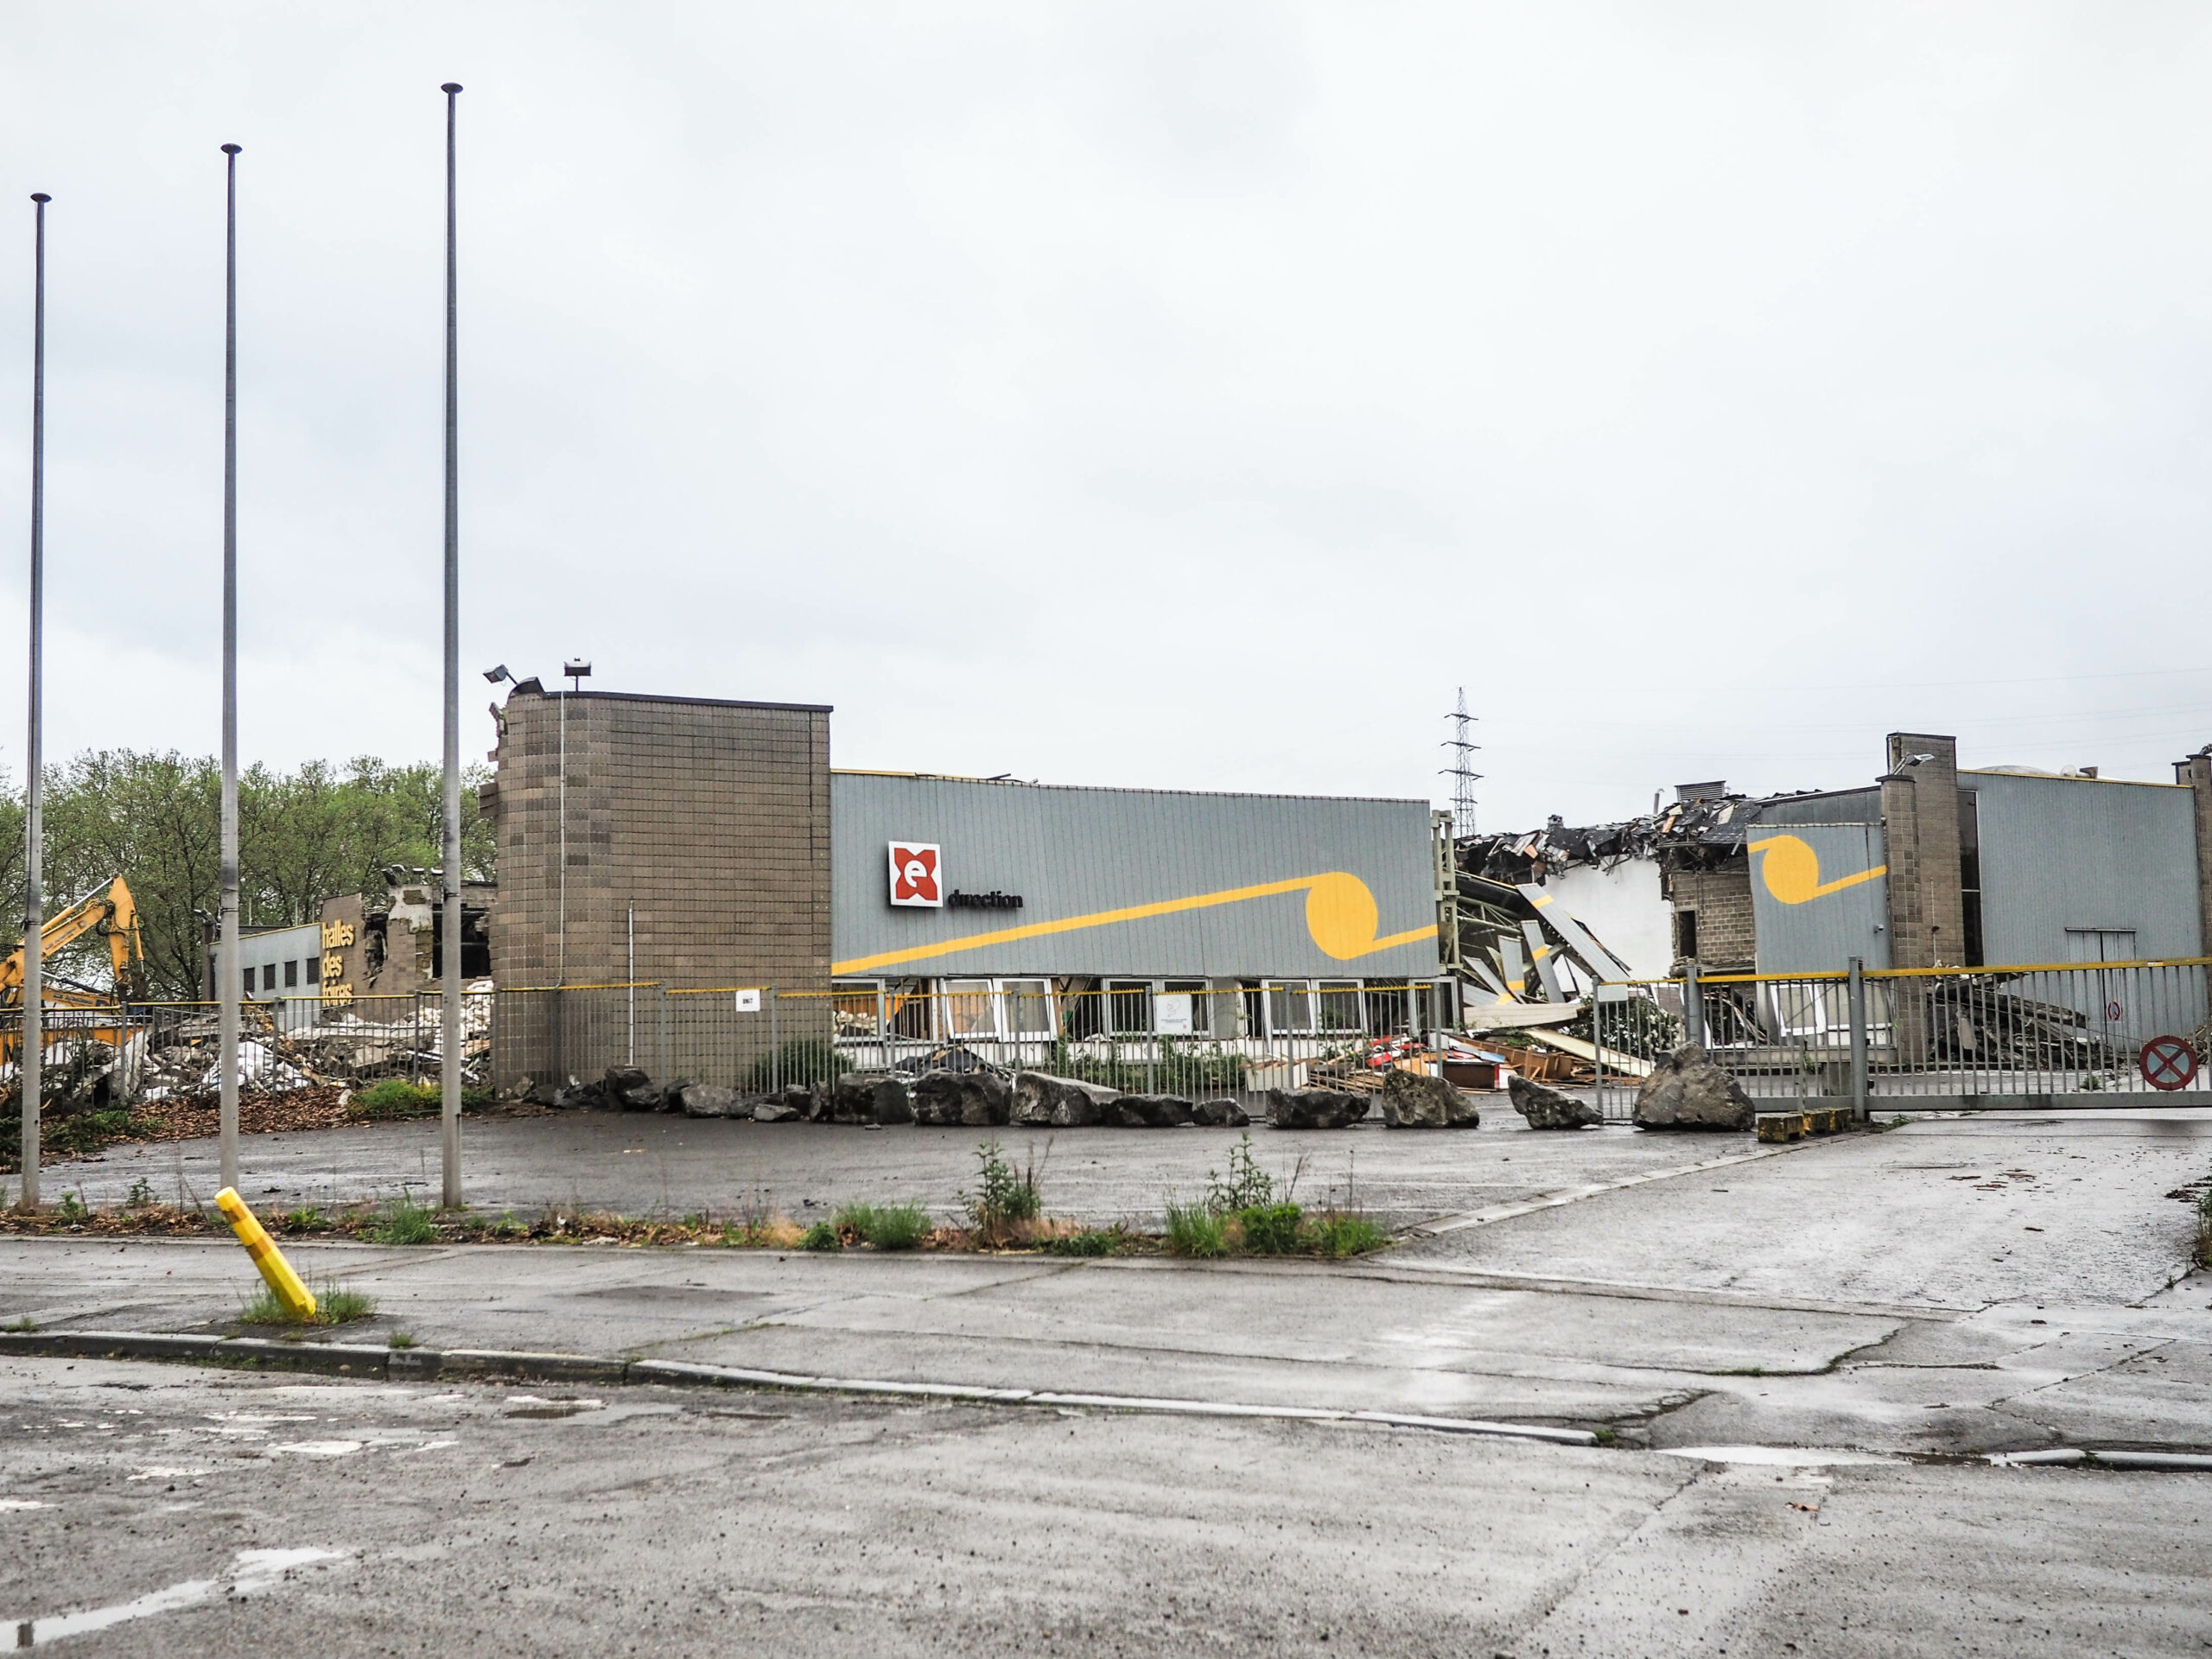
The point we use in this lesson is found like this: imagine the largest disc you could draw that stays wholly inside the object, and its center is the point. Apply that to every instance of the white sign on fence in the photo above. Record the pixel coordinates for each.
(748, 1001)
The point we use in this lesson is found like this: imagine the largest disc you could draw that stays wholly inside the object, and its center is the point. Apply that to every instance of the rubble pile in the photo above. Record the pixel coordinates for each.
(1971, 1022)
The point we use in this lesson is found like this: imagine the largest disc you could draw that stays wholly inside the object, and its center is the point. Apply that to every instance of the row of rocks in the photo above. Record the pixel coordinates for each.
(1687, 1090)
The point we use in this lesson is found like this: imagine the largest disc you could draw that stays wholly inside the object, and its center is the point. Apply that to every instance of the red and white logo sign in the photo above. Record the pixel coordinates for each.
(914, 874)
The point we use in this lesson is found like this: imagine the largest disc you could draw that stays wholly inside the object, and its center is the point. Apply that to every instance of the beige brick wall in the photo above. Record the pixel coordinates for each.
(709, 820)
(1727, 936)
(1920, 821)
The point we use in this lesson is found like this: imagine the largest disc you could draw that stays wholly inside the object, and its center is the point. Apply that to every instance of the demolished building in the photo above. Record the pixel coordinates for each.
(1925, 865)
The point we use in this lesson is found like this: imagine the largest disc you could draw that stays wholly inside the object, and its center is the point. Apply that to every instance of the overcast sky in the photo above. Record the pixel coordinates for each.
(1181, 394)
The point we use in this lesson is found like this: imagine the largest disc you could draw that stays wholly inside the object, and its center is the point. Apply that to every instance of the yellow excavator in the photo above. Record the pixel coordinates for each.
(108, 911)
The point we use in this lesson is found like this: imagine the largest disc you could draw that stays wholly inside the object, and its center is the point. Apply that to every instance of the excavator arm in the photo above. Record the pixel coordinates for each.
(108, 910)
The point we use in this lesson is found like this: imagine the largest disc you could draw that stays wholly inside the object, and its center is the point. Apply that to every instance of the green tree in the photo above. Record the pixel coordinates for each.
(303, 836)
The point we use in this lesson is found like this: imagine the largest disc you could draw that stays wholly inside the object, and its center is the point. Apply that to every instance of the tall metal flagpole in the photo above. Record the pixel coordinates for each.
(33, 1052)
(450, 1056)
(227, 955)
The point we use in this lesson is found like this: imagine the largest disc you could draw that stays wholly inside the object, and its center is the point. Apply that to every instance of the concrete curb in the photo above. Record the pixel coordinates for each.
(2070, 1457)
(430, 1364)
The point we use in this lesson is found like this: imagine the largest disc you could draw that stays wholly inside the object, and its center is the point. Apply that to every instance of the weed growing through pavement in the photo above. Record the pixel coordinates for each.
(399, 1339)
(1271, 1229)
(22, 1326)
(1247, 1187)
(142, 1194)
(406, 1222)
(1006, 1197)
(887, 1226)
(1194, 1229)
(822, 1235)
(1091, 1241)
(71, 1207)
(334, 1304)
(1343, 1234)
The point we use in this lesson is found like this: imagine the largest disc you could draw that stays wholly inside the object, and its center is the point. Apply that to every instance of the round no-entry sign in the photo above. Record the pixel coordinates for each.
(2168, 1062)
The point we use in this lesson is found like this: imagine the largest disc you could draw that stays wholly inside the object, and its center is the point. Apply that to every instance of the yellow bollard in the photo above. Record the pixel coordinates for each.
(287, 1286)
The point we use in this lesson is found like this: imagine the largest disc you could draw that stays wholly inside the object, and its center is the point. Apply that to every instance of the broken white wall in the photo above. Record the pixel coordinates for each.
(1624, 907)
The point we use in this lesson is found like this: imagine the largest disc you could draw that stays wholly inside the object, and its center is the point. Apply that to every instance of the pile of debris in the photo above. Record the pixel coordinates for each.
(194, 1067)
(1971, 1022)
(981, 1096)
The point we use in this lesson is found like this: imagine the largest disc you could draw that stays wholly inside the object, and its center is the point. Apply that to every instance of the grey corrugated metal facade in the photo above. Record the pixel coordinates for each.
(1346, 887)
(1816, 901)
(2080, 854)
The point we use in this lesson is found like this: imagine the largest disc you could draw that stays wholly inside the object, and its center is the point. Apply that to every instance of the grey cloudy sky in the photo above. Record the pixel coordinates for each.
(1181, 394)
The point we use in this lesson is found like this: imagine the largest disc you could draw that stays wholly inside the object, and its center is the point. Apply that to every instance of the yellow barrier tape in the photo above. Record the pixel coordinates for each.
(283, 1283)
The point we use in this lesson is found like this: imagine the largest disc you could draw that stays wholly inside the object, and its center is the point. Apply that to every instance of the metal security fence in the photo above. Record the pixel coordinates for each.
(1913, 1039)
(760, 1039)
(131, 1052)
(1930, 1037)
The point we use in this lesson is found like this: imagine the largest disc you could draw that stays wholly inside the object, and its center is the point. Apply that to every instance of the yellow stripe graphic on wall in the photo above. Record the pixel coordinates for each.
(1791, 871)
(1340, 913)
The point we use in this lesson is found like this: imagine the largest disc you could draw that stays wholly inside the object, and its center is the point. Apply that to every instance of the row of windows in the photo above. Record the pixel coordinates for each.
(1018, 1009)
(296, 973)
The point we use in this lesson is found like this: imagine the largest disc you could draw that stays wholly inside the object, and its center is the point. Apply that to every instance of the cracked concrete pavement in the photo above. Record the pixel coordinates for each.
(1957, 1286)
(669, 1521)
(1891, 1302)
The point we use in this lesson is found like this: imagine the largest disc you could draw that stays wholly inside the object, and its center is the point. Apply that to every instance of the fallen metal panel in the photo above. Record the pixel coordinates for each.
(1514, 964)
(1515, 1016)
(1579, 939)
(1621, 1064)
(1540, 955)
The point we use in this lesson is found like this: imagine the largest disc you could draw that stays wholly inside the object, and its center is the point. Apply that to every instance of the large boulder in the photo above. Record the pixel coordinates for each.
(977, 1099)
(1043, 1101)
(1411, 1101)
(1220, 1113)
(1149, 1111)
(629, 1090)
(1687, 1090)
(709, 1100)
(870, 1097)
(772, 1108)
(1547, 1108)
(1314, 1108)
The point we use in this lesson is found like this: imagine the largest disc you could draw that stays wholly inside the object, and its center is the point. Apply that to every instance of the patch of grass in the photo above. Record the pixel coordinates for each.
(396, 1097)
(307, 1220)
(1005, 1197)
(63, 1137)
(71, 1208)
(1270, 1229)
(1195, 1230)
(887, 1226)
(1606, 1435)
(1343, 1234)
(1091, 1241)
(334, 1304)
(399, 1339)
(822, 1235)
(141, 1195)
(406, 1222)
(23, 1326)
